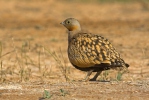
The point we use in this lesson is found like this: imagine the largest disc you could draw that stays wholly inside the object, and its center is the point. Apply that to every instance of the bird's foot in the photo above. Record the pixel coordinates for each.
(93, 79)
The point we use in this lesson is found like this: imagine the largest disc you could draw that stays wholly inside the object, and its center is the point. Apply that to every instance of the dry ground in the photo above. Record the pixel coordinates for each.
(33, 49)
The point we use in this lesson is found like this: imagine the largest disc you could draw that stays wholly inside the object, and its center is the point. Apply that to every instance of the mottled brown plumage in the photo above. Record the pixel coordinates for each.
(90, 52)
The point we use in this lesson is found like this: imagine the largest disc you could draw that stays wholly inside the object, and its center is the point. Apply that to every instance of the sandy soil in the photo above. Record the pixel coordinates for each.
(29, 30)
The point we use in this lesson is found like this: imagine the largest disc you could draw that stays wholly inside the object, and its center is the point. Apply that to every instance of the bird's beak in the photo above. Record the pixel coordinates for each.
(62, 23)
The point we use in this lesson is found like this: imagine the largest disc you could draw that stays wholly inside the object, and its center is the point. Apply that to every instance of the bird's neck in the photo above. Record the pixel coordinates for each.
(74, 28)
(71, 34)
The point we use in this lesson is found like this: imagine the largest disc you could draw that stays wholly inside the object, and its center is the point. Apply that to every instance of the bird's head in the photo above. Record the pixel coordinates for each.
(71, 24)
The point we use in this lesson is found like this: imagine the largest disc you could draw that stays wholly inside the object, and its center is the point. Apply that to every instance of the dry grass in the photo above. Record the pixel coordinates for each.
(33, 50)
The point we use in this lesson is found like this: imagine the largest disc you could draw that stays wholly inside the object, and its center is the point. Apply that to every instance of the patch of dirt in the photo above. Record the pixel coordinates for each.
(78, 90)
(29, 30)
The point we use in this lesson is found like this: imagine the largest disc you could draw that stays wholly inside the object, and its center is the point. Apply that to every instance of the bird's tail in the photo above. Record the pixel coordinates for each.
(119, 64)
(127, 65)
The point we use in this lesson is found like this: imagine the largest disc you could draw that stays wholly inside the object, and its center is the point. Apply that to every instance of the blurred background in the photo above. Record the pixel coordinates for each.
(33, 44)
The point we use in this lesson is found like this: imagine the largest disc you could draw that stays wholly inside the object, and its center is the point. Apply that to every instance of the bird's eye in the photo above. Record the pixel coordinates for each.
(68, 22)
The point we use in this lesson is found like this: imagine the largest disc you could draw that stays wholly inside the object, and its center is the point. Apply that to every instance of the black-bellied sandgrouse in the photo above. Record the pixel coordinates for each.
(91, 52)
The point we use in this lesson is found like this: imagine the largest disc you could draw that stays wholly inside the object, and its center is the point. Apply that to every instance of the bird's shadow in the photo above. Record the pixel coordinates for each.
(93, 81)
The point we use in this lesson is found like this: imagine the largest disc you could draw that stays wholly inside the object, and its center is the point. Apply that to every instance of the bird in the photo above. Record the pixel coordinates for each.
(91, 52)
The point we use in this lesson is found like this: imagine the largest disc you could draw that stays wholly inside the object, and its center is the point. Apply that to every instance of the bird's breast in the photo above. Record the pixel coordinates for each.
(79, 57)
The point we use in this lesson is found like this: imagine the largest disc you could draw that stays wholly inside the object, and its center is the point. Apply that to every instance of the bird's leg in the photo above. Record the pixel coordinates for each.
(88, 74)
(96, 75)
